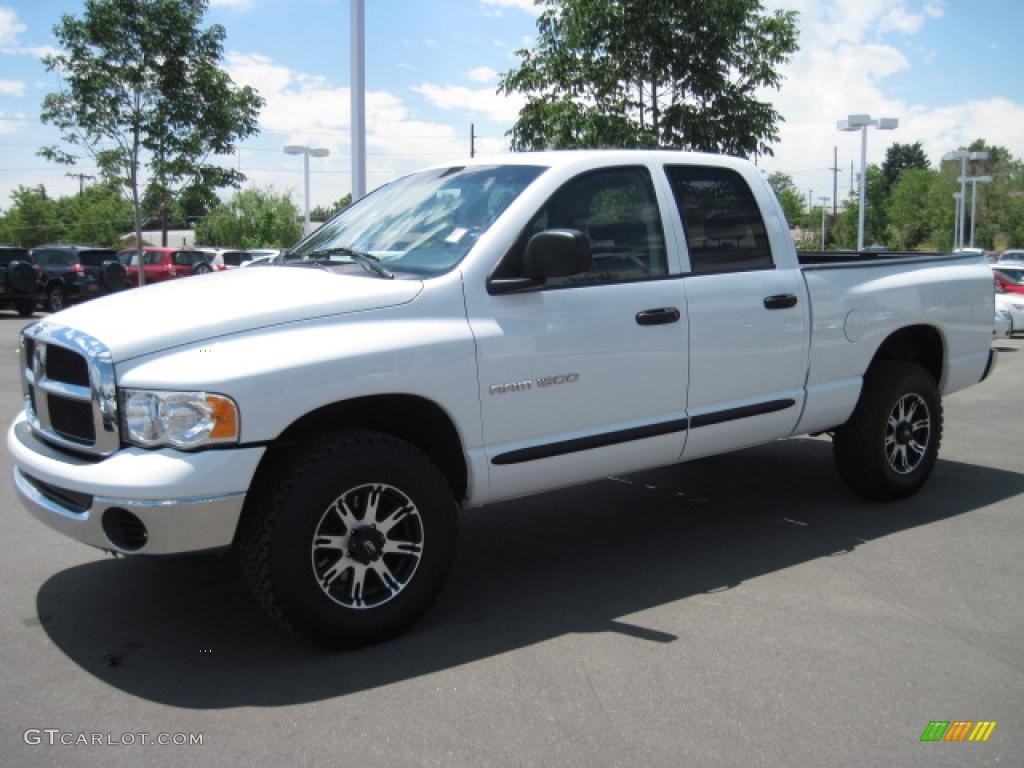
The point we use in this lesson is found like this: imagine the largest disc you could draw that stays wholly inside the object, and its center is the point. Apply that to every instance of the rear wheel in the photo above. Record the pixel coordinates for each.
(55, 298)
(201, 269)
(890, 445)
(351, 539)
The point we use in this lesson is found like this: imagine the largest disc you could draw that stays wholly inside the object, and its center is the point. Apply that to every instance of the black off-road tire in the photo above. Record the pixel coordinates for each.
(21, 277)
(25, 307)
(275, 544)
(859, 447)
(114, 276)
(55, 298)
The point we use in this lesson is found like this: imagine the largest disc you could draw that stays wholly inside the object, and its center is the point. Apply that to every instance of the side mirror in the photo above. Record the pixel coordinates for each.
(557, 253)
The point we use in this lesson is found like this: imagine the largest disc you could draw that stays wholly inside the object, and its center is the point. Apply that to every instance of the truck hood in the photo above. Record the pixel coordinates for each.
(139, 321)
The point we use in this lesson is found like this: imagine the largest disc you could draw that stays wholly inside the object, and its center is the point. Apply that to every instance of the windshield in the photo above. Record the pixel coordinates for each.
(424, 223)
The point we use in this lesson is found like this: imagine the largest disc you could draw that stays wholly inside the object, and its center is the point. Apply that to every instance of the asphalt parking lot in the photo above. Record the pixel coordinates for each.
(744, 610)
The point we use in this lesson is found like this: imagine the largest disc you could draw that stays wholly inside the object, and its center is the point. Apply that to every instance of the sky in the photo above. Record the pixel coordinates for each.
(950, 70)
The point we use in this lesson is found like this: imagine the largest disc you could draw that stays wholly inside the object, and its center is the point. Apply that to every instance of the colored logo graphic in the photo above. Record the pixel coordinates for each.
(958, 730)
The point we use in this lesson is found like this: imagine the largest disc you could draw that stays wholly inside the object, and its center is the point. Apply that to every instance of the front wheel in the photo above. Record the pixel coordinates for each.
(55, 298)
(890, 445)
(25, 307)
(350, 539)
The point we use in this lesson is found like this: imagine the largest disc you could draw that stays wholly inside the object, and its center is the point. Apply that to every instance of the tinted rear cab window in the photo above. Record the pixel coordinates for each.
(723, 224)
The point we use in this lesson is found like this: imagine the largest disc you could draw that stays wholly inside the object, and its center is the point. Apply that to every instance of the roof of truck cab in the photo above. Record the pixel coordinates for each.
(600, 157)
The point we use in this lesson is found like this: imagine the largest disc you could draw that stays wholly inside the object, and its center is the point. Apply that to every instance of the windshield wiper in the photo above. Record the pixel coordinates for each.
(366, 259)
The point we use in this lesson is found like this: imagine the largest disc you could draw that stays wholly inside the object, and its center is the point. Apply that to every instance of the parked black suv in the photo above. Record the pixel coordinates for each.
(76, 272)
(19, 280)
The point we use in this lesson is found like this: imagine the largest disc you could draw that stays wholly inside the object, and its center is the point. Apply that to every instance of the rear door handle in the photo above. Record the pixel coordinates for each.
(658, 316)
(780, 301)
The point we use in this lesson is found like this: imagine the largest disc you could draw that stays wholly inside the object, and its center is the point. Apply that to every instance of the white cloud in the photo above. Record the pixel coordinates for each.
(522, 5)
(10, 28)
(898, 20)
(484, 101)
(309, 109)
(482, 74)
(8, 125)
(10, 31)
(12, 88)
(843, 67)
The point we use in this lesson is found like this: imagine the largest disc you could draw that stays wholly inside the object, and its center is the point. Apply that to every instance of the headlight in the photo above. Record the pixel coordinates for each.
(178, 419)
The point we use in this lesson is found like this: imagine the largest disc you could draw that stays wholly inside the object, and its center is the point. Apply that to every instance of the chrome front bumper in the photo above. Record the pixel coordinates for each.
(187, 502)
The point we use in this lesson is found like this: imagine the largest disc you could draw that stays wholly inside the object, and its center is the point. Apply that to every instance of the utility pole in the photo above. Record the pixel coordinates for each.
(823, 200)
(835, 177)
(472, 141)
(810, 204)
(851, 177)
(81, 180)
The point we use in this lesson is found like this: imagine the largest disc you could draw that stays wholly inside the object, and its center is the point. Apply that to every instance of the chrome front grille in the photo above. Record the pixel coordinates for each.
(68, 383)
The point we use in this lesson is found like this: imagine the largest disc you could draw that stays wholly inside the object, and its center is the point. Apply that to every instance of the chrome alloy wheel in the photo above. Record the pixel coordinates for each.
(907, 432)
(367, 546)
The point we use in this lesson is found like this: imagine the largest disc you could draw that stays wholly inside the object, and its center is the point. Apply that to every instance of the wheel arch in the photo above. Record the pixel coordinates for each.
(415, 419)
(920, 344)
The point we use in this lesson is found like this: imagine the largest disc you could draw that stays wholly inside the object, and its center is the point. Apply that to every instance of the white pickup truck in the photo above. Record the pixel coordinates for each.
(474, 333)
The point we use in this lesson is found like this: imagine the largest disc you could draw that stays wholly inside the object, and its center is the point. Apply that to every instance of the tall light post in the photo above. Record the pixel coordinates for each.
(306, 152)
(862, 123)
(956, 218)
(975, 181)
(963, 156)
(357, 99)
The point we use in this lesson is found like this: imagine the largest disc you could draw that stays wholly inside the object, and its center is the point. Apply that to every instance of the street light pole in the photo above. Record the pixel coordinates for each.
(975, 181)
(963, 156)
(956, 218)
(357, 99)
(862, 123)
(306, 152)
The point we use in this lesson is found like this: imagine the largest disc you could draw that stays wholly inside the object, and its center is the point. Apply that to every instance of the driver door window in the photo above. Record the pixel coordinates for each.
(616, 208)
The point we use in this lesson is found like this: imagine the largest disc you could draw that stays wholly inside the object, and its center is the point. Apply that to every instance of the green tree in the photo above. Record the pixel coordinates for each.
(648, 73)
(902, 157)
(876, 218)
(33, 218)
(142, 91)
(789, 197)
(252, 218)
(1000, 204)
(322, 213)
(909, 214)
(98, 216)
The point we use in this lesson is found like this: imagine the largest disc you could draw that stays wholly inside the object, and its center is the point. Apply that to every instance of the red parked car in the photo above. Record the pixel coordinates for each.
(164, 264)
(1009, 279)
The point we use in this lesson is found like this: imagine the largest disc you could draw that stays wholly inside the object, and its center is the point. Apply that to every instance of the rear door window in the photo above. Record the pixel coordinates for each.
(7, 255)
(724, 229)
(96, 258)
(236, 258)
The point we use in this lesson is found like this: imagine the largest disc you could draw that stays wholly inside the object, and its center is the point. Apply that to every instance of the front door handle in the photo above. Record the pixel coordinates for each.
(780, 301)
(658, 316)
